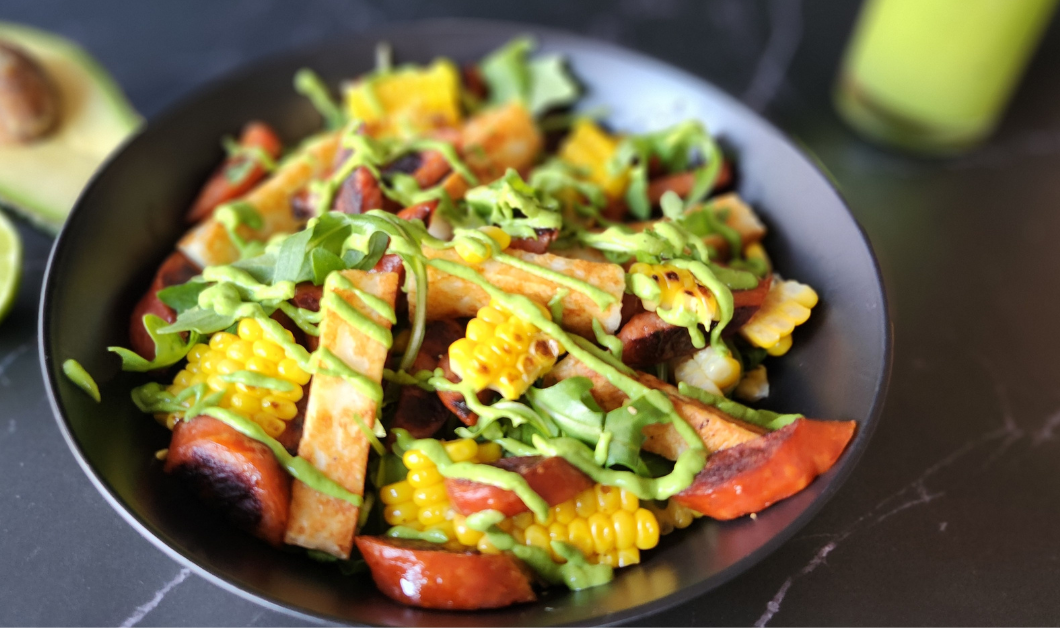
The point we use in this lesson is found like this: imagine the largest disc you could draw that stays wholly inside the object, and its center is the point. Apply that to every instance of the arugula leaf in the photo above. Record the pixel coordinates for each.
(199, 320)
(514, 206)
(541, 84)
(310, 85)
(625, 425)
(260, 267)
(556, 176)
(292, 256)
(570, 405)
(170, 348)
(324, 262)
(184, 296)
(377, 245)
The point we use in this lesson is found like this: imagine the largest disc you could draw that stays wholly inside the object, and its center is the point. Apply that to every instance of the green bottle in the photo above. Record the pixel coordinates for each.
(933, 76)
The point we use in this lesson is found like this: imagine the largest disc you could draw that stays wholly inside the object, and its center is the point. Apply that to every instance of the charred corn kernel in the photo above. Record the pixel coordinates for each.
(629, 501)
(565, 512)
(401, 513)
(272, 425)
(465, 535)
(221, 340)
(536, 535)
(608, 499)
(647, 529)
(714, 372)
(680, 295)
(433, 513)
(626, 557)
(489, 452)
(249, 330)
(425, 476)
(430, 495)
(786, 306)
(590, 148)
(240, 350)
(289, 370)
(269, 350)
(407, 100)
(783, 346)
(280, 408)
(508, 363)
(396, 493)
(197, 352)
(603, 532)
(461, 450)
(754, 386)
(485, 546)
(624, 523)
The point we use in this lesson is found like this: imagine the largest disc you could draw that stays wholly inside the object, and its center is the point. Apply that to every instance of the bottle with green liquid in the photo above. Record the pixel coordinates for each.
(933, 76)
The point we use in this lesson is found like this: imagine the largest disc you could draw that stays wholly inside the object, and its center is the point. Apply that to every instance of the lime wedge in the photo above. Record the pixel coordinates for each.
(10, 264)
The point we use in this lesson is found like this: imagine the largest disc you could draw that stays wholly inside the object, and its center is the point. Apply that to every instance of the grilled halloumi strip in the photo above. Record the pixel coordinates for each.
(717, 429)
(208, 244)
(332, 440)
(452, 297)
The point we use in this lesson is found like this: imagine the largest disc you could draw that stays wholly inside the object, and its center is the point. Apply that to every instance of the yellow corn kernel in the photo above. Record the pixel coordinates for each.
(523, 520)
(787, 305)
(461, 450)
(289, 370)
(710, 370)
(262, 365)
(183, 378)
(579, 535)
(396, 493)
(240, 350)
(208, 363)
(249, 329)
(585, 503)
(678, 291)
(489, 452)
(280, 408)
(245, 404)
(607, 558)
(630, 502)
(221, 340)
(627, 557)
(558, 532)
(272, 426)
(424, 477)
(647, 529)
(602, 531)
(465, 535)
(408, 100)
(505, 524)
(485, 546)
(197, 352)
(400, 513)
(783, 346)
(518, 536)
(754, 386)
(427, 495)
(536, 535)
(216, 384)
(192, 367)
(471, 251)
(608, 499)
(498, 235)
(268, 350)
(416, 459)
(433, 514)
(565, 512)
(680, 515)
(492, 314)
(590, 148)
(294, 395)
(227, 366)
(625, 526)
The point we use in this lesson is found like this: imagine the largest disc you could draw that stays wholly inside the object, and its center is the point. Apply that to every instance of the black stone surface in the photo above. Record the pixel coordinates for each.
(949, 518)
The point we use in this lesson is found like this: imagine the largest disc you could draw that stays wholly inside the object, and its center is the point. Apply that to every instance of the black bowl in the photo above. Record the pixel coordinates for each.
(130, 216)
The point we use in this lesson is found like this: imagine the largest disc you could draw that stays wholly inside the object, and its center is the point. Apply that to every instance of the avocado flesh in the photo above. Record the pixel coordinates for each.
(43, 179)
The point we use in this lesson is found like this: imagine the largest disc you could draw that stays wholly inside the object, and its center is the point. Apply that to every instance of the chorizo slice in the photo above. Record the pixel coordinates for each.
(233, 474)
(455, 401)
(553, 478)
(539, 244)
(420, 211)
(359, 193)
(175, 270)
(425, 575)
(681, 183)
(235, 176)
(754, 475)
(422, 412)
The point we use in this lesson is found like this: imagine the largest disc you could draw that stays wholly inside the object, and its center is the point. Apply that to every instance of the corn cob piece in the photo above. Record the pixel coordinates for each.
(503, 352)
(786, 306)
(590, 147)
(453, 297)
(754, 386)
(208, 243)
(474, 255)
(420, 500)
(332, 438)
(707, 369)
(246, 351)
(672, 516)
(408, 100)
(678, 292)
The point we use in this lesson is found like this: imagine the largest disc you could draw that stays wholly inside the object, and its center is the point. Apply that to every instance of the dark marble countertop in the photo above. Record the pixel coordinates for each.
(948, 519)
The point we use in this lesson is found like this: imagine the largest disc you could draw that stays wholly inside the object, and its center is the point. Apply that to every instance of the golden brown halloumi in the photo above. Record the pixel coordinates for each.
(717, 429)
(453, 297)
(331, 439)
(208, 244)
(738, 215)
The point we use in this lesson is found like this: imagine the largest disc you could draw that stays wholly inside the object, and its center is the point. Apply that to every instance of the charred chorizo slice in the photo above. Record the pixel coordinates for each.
(359, 193)
(422, 574)
(538, 244)
(681, 183)
(752, 476)
(553, 478)
(455, 401)
(419, 411)
(235, 177)
(233, 474)
(175, 270)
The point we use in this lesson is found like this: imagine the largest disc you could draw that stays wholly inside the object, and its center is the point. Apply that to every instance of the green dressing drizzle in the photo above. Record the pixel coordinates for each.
(80, 378)
(251, 378)
(405, 532)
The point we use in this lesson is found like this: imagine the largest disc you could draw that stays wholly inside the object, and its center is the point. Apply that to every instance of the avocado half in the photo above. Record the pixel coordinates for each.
(41, 180)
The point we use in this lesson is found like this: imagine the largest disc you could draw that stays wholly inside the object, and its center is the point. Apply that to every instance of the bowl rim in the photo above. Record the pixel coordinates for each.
(840, 472)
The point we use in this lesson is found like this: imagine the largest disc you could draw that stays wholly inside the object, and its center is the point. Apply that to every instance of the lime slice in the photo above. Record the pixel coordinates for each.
(10, 264)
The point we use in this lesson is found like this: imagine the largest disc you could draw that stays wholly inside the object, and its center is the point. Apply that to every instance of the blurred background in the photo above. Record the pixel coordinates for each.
(949, 517)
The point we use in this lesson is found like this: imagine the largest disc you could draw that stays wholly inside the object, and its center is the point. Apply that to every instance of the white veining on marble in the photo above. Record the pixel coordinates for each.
(143, 610)
(1048, 429)
(785, 18)
(818, 559)
(942, 526)
(9, 360)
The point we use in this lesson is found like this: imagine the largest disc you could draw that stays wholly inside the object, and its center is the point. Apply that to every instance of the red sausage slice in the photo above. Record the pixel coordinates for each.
(554, 479)
(750, 477)
(175, 270)
(233, 474)
(422, 574)
(233, 178)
